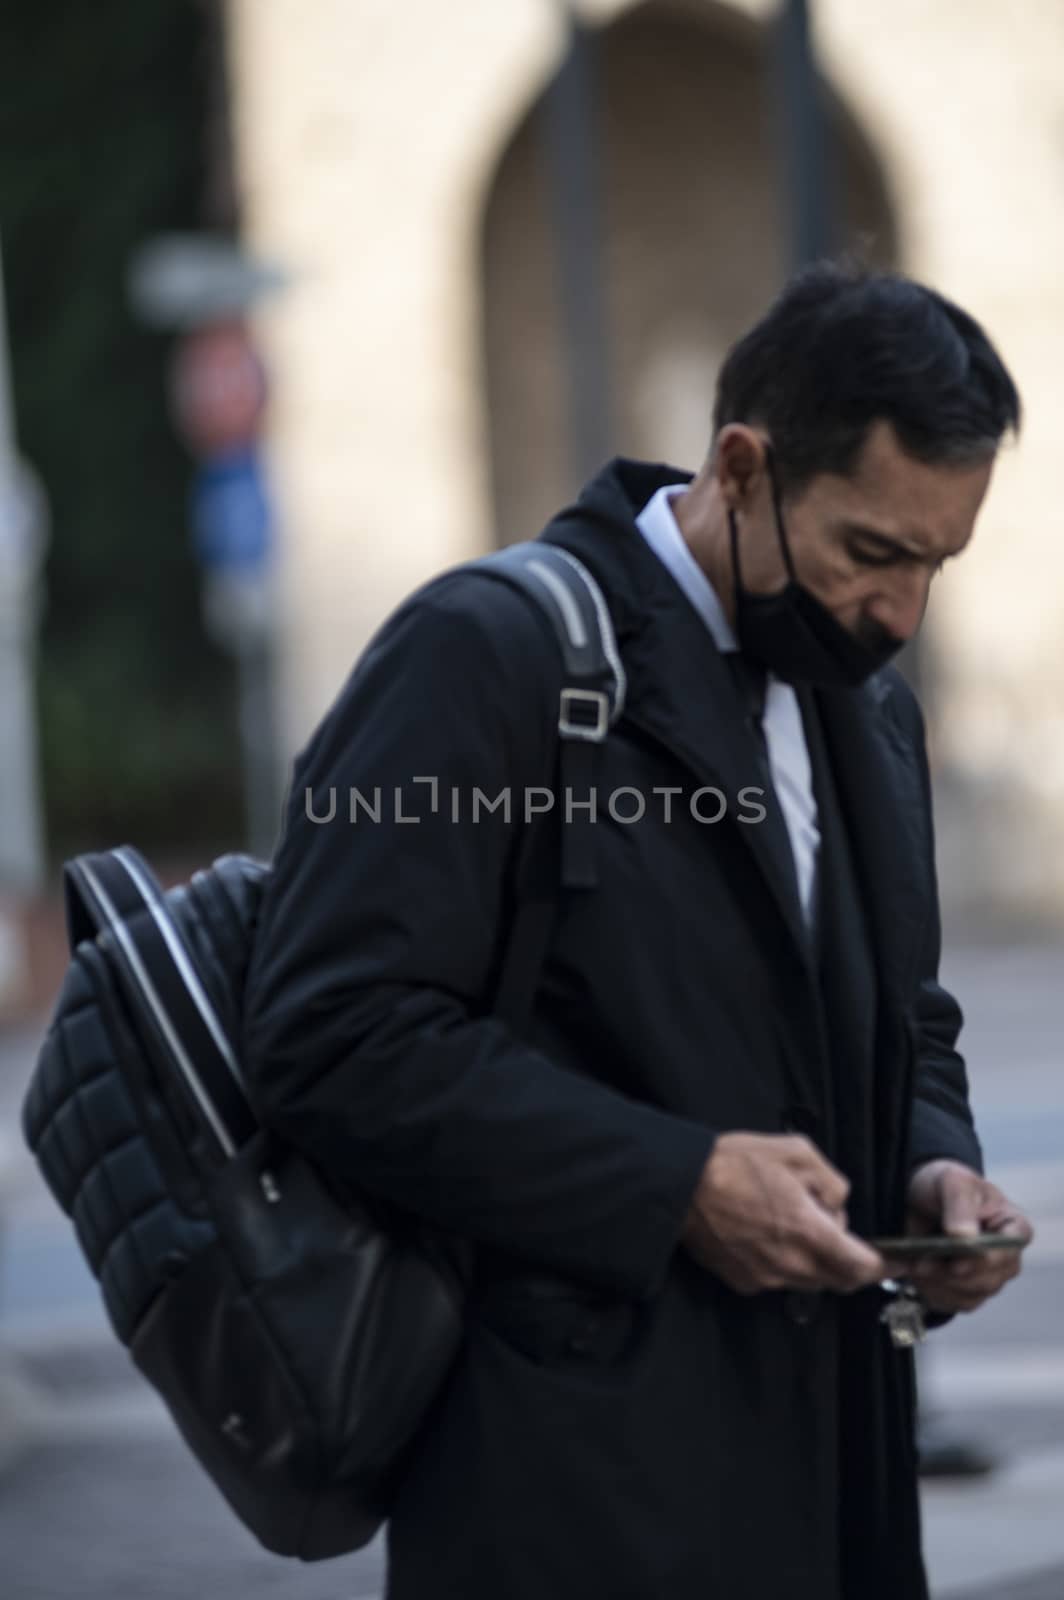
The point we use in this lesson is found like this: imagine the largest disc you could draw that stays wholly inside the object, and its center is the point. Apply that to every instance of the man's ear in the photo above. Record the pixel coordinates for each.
(738, 464)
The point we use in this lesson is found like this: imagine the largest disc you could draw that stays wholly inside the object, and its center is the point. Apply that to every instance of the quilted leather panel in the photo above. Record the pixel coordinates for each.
(83, 1123)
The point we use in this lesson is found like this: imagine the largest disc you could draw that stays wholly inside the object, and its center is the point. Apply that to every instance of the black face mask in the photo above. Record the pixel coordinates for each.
(793, 634)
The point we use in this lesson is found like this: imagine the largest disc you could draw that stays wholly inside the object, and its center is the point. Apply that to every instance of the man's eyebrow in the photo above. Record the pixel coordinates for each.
(886, 541)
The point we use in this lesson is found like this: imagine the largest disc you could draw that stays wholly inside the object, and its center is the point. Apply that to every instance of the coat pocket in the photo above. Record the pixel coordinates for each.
(555, 1322)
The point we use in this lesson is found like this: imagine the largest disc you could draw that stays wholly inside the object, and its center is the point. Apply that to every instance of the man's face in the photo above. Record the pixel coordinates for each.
(868, 545)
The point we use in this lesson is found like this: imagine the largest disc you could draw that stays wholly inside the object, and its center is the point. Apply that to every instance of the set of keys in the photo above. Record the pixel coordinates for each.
(903, 1315)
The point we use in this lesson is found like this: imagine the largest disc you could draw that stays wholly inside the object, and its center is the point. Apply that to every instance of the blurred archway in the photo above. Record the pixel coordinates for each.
(693, 245)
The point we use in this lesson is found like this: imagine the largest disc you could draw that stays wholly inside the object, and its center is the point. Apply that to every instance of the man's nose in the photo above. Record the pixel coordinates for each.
(900, 609)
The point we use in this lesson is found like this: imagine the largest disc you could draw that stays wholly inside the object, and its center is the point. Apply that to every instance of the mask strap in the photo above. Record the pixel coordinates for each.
(733, 530)
(777, 506)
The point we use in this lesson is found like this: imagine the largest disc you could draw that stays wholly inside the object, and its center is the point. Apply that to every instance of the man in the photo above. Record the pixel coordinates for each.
(740, 1064)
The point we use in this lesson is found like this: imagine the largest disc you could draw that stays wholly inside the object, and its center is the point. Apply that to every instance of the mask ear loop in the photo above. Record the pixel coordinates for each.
(777, 507)
(733, 530)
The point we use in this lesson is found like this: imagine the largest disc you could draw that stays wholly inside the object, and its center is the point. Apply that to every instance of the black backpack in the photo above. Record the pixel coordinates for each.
(296, 1336)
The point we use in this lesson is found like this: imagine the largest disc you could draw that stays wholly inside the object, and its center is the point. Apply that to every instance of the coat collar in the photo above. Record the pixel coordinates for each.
(680, 693)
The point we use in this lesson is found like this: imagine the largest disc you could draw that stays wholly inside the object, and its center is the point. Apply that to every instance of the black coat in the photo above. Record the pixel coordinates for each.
(619, 1424)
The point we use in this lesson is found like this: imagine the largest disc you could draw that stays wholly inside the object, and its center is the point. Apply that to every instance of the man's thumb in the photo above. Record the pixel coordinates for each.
(961, 1197)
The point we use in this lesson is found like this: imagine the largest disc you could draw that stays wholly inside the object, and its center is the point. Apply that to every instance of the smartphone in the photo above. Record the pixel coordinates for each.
(912, 1247)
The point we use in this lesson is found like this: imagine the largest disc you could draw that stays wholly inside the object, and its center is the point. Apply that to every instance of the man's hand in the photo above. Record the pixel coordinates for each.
(769, 1213)
(947, 1197)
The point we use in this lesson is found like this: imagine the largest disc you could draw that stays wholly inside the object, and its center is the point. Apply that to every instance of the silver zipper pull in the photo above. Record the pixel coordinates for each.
(268, 1185)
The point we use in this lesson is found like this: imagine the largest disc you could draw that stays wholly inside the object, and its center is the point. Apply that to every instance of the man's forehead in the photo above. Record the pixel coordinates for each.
(929, 507)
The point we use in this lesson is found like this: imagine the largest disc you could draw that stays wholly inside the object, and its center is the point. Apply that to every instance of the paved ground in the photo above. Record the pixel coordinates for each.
(99, 1500)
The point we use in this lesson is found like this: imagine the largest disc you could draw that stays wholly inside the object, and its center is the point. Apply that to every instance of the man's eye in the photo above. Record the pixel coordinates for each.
(872, 558)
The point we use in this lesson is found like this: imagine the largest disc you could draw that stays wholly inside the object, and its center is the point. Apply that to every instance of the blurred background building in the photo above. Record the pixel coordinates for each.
(397, 159)
(517, 239)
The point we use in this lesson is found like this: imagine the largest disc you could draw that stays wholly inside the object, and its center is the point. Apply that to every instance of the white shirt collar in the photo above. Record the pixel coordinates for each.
(657, 523)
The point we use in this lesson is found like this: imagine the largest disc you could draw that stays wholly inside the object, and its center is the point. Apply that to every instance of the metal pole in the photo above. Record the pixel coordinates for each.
(21, 539)
(7, 404)
(804, 153)
(262, 788)
(576, 194)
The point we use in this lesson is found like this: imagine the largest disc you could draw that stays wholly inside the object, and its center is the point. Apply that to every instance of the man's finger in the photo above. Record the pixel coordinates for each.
(1012, 1223)
(968, 1270)
(840, 1258)
(963, 1300)
(932, 1276)
(944, 1288)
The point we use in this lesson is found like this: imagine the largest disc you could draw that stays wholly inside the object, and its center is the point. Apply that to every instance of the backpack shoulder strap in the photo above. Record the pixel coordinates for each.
(592, 699)
(563, 589)
(593, 690)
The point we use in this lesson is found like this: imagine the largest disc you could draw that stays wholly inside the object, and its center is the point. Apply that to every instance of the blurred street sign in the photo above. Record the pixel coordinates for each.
(232, 535)
(182, 280)
(231, 512)
(205, 286)
(240, 610)
(218, 388)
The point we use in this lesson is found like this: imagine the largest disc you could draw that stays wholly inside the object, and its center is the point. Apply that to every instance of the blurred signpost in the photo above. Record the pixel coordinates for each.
(803, 138)
(575, 162)
(204, 287)
(23, 531)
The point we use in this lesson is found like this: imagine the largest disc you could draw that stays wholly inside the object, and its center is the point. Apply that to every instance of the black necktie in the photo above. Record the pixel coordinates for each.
(751, 681)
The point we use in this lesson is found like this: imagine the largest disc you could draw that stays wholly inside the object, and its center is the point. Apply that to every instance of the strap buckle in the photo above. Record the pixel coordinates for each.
(584, 714)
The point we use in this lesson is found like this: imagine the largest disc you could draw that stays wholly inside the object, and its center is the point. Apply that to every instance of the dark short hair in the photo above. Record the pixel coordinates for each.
(844, 347)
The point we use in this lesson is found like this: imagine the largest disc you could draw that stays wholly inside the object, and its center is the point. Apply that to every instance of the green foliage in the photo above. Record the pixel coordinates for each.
(102, 112)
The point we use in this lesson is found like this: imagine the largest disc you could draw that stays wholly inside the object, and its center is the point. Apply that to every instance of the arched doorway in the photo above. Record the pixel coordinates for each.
(693, 246)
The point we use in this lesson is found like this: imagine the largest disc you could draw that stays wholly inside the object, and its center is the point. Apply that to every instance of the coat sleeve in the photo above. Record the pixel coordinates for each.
(942, 1123)
(368, 1039)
